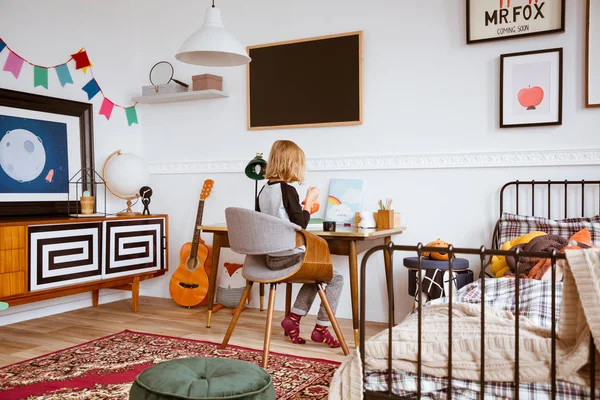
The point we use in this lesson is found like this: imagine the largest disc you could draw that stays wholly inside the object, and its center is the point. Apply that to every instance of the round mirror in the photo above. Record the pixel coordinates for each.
(161, 73)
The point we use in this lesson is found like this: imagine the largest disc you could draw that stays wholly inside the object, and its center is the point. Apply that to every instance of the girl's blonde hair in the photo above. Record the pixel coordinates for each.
(286, 162)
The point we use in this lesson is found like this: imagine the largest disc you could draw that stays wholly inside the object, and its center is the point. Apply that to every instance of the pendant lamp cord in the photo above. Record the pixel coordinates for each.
(213, 6)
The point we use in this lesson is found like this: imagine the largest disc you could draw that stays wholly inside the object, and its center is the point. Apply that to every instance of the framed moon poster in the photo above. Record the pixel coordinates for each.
(43, 142)
(505, 19)
(531, 88)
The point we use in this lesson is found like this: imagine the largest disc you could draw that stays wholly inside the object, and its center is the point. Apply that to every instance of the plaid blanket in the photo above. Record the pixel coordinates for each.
(511, 226)
(535, 303)
(404, 384)
(535, 297)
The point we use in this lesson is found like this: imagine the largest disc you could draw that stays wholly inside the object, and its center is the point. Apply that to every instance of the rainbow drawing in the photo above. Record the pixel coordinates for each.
(334, 201)
(344, 200)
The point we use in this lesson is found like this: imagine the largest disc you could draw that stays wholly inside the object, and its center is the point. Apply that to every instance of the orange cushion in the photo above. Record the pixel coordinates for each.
(583, 236)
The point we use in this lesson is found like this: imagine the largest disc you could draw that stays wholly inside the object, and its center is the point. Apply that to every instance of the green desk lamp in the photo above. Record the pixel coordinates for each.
(255, 170)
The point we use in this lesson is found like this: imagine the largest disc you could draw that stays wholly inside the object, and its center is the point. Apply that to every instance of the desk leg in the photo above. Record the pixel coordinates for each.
(388, 266)
(353, 263)
(212, 283)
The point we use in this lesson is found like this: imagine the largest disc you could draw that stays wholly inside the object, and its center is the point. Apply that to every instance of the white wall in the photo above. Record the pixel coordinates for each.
(425, 92)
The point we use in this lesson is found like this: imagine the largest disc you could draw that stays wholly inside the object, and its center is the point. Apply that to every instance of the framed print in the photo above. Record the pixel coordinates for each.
(505, 19)
(592, 51)
(43, 142)
(531, 88)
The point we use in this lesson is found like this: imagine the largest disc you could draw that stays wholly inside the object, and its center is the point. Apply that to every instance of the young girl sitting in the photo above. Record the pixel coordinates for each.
(278, 198)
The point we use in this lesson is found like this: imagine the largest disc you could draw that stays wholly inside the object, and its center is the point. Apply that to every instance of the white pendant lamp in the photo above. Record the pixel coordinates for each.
(212, 45)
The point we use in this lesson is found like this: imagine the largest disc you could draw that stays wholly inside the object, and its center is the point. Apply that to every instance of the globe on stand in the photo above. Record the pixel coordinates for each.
(125, 174)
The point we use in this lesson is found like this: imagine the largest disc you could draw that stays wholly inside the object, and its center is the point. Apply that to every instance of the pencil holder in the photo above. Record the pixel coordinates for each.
(87, 204)
(385, 219)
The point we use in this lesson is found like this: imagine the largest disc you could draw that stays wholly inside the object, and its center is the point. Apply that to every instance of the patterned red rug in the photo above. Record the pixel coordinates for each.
(105, 368)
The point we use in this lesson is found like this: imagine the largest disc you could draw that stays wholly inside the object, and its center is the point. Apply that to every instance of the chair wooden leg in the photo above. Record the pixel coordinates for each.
(261, 290)
(236, 316)
(334, 323)
(288, 298)
(268, 327)
(288, 302)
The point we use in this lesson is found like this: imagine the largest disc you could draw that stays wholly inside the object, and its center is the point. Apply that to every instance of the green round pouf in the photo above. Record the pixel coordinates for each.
(203, 378)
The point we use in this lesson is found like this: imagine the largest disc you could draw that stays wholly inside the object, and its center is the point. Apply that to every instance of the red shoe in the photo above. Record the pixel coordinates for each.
(322, 335)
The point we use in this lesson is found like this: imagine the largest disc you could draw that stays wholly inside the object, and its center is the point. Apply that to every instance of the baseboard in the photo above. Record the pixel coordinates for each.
(56, 306)
(539, 158)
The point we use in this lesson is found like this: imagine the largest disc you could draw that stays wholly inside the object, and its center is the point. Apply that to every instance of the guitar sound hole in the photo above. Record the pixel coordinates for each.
(188, 285)
(192, 264)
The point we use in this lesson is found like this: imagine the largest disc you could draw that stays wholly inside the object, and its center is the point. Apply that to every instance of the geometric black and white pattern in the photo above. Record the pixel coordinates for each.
(64, 254)
(133, 246)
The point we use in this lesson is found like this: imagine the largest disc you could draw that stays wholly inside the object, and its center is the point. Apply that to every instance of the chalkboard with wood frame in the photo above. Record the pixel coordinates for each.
(306, 83)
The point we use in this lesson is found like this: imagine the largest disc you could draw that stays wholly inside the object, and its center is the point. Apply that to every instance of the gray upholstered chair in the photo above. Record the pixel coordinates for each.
(255, 235)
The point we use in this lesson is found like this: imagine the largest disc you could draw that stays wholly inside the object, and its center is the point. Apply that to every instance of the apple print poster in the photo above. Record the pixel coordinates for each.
(531, 93)
(531, 83)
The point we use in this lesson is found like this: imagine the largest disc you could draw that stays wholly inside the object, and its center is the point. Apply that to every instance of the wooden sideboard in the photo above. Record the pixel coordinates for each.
(46, 258)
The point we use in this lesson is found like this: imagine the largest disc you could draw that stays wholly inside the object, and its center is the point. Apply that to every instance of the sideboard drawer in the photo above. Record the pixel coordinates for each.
(12, 261)
(62, 255)
(12, 237)
(12, 283)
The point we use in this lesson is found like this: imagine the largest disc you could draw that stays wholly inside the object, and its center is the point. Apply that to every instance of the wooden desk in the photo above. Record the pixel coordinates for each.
(345, 241)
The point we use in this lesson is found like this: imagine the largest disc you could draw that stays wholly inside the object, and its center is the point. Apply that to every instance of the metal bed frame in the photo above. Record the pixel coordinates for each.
(483, 254)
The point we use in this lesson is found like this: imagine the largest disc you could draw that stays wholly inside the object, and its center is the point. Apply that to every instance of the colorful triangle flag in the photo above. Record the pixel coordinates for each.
(13, 64)
(131, 115)
(81, 60)
(40, 76)
(106, 108)
(64, 76)
(91, 88)
(2, 45)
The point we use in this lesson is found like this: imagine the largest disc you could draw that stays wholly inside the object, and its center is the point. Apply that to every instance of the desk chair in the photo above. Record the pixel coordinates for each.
(255, 235)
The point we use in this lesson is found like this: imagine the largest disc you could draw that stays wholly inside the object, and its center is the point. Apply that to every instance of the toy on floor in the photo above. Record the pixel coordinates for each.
(437, 255)
(230, 287)
(499, 267)
(3, 306)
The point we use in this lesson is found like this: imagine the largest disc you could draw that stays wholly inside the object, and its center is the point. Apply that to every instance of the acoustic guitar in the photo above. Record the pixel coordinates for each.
(189, 283)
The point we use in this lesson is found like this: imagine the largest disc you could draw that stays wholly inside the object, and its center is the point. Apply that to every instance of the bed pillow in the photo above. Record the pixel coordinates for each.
(511, 226)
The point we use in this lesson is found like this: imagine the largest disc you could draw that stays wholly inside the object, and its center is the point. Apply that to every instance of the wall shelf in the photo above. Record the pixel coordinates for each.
(183, 96)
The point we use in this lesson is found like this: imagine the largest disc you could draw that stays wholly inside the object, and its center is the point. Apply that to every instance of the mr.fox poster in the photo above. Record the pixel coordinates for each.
(503, 19)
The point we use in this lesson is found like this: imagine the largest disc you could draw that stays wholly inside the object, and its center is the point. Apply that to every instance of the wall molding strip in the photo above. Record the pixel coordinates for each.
(549, 158)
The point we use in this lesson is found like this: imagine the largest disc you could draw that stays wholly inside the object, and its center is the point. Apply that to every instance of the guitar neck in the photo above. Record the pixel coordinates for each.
(196, 238)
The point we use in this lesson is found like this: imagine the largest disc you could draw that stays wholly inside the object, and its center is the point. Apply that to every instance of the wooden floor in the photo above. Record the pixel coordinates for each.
(36, 337)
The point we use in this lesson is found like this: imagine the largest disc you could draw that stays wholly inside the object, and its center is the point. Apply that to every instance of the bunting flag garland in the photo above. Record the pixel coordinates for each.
(81, 59)
(14, 64)
(107, 107)
(91, 88)
(63, 74)
(85, 68)
(131, 115)
(40, 77)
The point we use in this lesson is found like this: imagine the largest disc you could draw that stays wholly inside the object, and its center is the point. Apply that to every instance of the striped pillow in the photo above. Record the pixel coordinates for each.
(511, 226)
